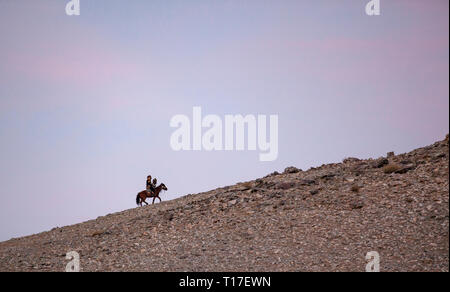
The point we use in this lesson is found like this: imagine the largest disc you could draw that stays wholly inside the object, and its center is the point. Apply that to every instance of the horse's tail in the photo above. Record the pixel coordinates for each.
(137, 199)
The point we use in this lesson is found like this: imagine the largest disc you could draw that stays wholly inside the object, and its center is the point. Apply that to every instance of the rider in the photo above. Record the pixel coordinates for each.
(149, 185)
(154, 182)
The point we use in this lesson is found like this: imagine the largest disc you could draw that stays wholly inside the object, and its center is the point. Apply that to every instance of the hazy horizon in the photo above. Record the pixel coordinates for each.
(86, 100)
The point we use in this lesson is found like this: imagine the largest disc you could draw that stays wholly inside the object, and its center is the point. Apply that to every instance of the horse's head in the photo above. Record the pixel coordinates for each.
(163, 186)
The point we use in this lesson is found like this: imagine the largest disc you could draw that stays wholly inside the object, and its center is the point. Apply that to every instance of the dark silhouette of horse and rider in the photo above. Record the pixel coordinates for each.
(151, 191)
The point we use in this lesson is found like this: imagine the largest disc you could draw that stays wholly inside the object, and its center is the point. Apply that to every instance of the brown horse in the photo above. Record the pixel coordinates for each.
(141, 196)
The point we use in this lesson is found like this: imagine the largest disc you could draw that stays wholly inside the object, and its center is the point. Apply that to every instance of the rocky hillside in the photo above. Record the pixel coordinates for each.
(323, 219)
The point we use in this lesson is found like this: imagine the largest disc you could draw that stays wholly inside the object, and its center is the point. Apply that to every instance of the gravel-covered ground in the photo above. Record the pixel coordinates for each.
(323, 219)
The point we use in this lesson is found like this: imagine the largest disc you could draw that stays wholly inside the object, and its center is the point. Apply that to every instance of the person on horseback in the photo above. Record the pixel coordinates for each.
(149, 185)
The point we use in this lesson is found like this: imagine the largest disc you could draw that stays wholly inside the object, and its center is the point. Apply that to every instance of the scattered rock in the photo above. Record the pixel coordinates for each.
(307, 182)
(391, 168)
(314, 192)
(285, 185)
(380, 162)
(350, 160)
(328, 176)
(291, 169)
(439, 155)
(99, 233)
(405, 169)
(168, 216)
(356, 205)
(275, 173)
(355, 188)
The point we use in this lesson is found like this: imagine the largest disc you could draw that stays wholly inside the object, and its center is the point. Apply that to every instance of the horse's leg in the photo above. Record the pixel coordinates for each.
(159, 199)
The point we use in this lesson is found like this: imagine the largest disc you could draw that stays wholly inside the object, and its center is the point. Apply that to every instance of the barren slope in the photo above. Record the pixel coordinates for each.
(323, 219)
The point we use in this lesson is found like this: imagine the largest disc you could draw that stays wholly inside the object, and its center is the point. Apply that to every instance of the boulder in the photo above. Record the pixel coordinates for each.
(380, 162)
(291, 169)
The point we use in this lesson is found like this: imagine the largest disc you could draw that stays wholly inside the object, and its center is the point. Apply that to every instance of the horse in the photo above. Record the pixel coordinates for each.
(141, 196)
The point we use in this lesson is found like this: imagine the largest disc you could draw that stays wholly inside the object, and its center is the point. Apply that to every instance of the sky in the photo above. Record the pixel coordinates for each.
(86, 101)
